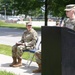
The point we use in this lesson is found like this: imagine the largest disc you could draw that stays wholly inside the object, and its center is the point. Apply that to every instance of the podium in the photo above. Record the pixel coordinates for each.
(58, 51)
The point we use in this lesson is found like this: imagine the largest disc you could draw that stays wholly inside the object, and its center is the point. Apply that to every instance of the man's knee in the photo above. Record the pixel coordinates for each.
(14, 47)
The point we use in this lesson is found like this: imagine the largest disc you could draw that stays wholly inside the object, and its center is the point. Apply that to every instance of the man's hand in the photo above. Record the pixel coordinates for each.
(18, 43)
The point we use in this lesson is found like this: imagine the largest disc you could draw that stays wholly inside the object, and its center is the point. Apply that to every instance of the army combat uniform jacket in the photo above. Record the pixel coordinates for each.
(28, 39)
(69, 23)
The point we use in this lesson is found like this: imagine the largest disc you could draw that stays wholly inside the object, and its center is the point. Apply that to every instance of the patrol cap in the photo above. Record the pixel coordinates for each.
(69, 7)
(28, 24)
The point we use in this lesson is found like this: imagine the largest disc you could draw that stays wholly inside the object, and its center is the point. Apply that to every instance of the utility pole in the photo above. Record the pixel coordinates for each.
(46, 12)
(5, 12)
(4, 6)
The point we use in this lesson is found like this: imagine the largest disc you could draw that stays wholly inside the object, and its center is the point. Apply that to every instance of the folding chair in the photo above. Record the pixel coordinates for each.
(29, 61)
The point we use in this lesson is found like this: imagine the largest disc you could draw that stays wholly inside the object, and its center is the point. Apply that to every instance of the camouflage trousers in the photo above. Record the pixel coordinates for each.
(17, 51)
(38, 56)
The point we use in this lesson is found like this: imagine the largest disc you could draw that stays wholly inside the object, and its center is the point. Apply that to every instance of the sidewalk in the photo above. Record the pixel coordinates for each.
(23, 70)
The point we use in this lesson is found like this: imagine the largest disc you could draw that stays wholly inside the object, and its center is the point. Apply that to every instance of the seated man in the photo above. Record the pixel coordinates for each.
(27, 41)
(38, 61)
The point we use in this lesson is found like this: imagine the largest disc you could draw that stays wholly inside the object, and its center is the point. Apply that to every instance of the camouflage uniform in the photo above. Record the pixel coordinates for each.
(70, 13)
(70, 23)
(38, 61)
(29, 38)
(38, 56)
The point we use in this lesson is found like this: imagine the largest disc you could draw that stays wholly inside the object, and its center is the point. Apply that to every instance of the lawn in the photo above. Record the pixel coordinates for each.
(15, 25)
(11, 25)
(6, 73)
(6, 50)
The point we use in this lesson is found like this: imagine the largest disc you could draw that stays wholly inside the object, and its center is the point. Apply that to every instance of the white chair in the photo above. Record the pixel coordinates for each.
(29, 61)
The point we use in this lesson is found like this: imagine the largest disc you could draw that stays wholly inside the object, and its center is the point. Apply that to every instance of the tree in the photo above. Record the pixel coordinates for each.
(28, 7)
(6, 5)
(57, 7)
(33, 7)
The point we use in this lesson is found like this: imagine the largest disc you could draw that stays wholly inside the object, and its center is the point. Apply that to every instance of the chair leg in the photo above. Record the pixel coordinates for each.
(29, 61)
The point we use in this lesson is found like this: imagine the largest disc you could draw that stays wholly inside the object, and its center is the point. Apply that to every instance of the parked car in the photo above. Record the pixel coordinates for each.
(14, 18)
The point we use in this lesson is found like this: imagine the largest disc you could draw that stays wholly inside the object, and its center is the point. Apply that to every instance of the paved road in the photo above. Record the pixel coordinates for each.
(10, 36)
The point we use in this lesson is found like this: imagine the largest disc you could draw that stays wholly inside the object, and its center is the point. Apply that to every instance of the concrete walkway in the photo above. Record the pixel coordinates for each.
(23, 70)
(10, 36)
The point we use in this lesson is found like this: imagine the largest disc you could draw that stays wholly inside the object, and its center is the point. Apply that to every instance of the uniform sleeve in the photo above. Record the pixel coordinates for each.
(65, 21)
(22, 38)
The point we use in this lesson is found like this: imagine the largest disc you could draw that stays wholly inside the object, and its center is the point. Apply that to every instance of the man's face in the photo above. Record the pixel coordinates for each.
(29, 27)
(69, 13)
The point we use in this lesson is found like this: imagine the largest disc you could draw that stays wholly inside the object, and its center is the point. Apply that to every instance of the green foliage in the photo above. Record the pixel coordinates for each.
(6, 73)
(57, 7)
(6, 4)
(27, 6)
(31, 7)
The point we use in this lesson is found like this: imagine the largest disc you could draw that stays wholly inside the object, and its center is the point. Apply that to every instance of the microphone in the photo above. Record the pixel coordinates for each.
(61, 21)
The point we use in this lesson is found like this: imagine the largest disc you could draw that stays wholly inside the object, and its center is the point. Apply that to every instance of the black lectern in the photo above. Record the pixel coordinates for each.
(58, 51)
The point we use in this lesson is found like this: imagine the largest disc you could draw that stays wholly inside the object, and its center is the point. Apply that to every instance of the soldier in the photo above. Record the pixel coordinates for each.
(27, 41)
(70, 13)
(38, 61)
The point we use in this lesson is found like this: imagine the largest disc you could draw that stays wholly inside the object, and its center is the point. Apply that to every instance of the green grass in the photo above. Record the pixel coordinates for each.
(6, 50)
(15, 25)
(6, 73)
(11, 25)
